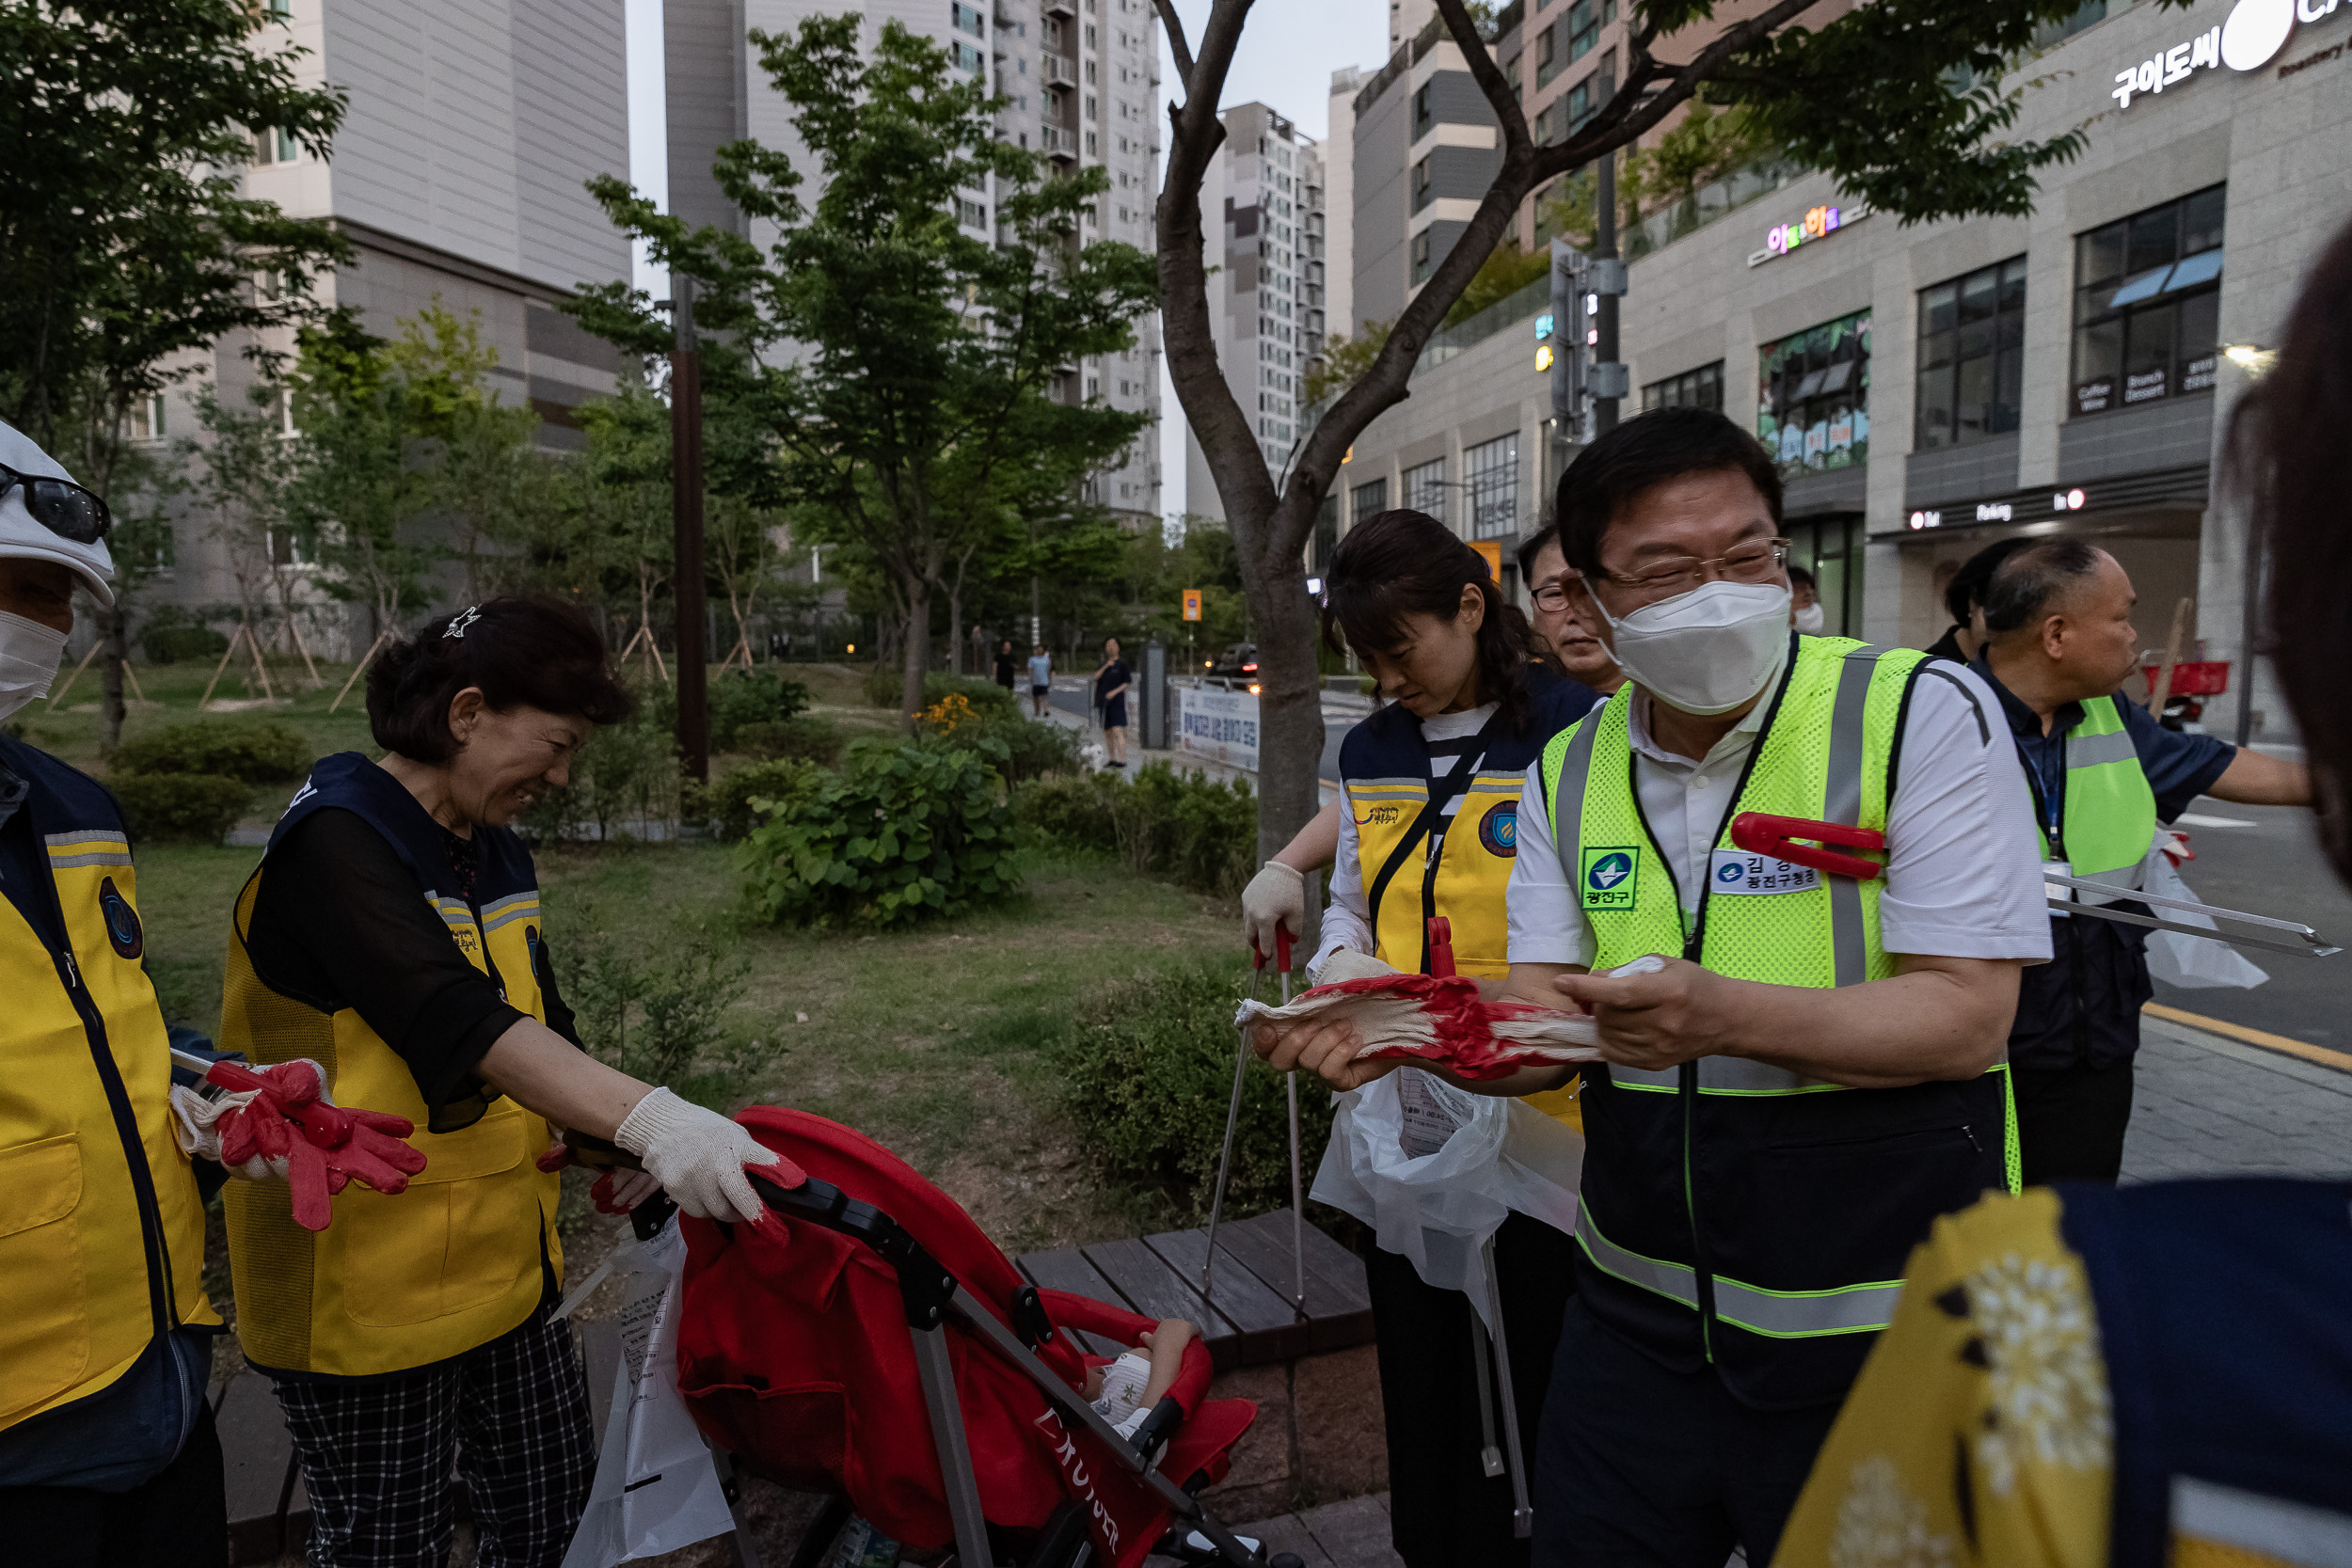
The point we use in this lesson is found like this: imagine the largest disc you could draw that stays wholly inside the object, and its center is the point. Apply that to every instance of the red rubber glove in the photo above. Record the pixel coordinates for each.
(294, 1129)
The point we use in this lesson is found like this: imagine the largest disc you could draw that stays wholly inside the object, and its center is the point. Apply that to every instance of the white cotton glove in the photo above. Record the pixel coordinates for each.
(1345, 963)
(1277, 896)
(698, 1156)
(195, 1119)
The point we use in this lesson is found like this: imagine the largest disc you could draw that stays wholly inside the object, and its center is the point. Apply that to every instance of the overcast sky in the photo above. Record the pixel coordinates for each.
(1285, 61)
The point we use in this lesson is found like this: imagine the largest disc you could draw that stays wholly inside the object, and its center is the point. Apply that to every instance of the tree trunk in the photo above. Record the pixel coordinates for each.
(955, 627)
(1289, 702)
(912, 655)
(111, 654)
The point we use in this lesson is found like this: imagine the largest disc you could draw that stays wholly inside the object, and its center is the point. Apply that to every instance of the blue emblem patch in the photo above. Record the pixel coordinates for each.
(1498, 829)
(123, 922)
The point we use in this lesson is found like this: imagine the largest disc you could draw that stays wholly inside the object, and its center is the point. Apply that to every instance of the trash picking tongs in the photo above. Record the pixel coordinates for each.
(1232, 1119)
(1761, 834)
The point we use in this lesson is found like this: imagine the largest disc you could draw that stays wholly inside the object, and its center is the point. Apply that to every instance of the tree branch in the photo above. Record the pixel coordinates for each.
(1485, 72)
(1176, 44)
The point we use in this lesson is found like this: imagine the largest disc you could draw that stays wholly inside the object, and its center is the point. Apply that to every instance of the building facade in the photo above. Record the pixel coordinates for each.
(459, 175)
(1930, 389)
(1262, 207)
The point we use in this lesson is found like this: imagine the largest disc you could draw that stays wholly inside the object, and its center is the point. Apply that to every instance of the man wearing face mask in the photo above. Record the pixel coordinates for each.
(106, 1446)
(1802, 1069)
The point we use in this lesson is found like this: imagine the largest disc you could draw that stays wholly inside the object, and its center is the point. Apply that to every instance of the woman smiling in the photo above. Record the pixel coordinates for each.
(392, 935)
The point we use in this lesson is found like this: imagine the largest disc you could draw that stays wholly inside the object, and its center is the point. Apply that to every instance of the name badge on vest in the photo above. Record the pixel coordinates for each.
(1730, 871)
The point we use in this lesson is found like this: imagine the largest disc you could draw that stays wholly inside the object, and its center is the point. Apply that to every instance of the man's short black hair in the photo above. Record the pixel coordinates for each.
(1968, 585)
(1646, 450)
(2026, 587)
(1531, 547)
(1799, 577)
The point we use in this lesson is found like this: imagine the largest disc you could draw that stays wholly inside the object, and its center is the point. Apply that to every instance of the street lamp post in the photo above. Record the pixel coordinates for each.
(686, 516)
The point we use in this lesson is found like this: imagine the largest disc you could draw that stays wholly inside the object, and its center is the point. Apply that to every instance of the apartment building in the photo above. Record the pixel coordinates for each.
(1931, 389)
(1080, 78)
(459, 175)
(1263, 206)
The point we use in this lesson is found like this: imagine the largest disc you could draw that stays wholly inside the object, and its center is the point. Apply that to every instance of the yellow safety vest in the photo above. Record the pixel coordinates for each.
(102, 1232)
(403, 1280)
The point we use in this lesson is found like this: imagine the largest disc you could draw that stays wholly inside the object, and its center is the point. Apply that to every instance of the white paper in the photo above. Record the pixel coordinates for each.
(657, 1488)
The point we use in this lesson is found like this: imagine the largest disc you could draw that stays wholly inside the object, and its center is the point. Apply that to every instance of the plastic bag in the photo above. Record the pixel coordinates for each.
(1439, 1210)
(2193, 963)
(657, 1487)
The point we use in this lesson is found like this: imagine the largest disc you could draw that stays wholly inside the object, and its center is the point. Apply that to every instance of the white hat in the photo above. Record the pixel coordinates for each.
(22, 535)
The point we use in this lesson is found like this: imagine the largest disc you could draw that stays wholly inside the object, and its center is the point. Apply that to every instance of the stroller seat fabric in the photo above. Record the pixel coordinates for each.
(794, 1355)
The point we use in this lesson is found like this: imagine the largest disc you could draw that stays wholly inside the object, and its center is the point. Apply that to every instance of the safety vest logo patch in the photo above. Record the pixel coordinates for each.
(1607, 876)
(1730, 871)
(1498, 829)
(123, 922)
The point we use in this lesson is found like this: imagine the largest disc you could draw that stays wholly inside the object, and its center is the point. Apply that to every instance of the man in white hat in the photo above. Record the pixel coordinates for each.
(107, 1453)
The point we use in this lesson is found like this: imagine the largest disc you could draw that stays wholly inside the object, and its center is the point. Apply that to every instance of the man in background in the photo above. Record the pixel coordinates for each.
(1964, 598)
(1040, 678)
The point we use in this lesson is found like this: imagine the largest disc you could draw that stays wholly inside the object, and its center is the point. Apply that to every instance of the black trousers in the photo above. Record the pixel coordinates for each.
(2071, 1121)
(1444, 1510)
(1641, 1466)
(180, 1519)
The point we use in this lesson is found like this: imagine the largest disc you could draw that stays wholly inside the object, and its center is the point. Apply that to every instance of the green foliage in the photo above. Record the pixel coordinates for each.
(987, 699)
(173, 633)
(900, 833)
(810, 740)
(1345, 360)
(1506, 270)
(253, 751)
(180, 808)
(1032, 750)
(657, 1017)
(1185, 828)
(628, 773)
(741, 697)
(735, 804)
(1148, 1077)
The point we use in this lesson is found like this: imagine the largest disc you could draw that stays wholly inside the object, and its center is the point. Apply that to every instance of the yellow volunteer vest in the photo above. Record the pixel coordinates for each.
(405, 1280)
(102, 1234)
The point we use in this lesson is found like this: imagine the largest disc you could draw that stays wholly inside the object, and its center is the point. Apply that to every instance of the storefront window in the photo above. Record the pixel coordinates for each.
(1813, 396)
(2148, 305)
(1699, 388)
(1972, 336)
(1492, 472)
(1366, 499)
(1425, 489)
(1831, 549)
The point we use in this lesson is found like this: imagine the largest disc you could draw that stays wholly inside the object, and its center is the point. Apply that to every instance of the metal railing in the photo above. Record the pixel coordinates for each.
(1060, 70)
(1059, 143)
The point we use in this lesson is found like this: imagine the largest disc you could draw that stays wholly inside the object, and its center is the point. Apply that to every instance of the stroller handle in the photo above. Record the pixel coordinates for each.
(924, 1285)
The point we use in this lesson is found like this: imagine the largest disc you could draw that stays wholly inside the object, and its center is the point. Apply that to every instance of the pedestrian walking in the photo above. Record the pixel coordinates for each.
(393, 932)
(1004, 672)
(1810, 1072)
(1111, 681)
(1041, 679)
(2103, 773)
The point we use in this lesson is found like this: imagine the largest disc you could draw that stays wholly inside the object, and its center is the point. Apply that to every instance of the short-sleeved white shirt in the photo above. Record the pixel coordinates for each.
(1962, 879)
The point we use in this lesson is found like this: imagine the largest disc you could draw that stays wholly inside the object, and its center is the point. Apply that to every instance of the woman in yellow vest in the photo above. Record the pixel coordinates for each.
(392, 935)
(1432, 787)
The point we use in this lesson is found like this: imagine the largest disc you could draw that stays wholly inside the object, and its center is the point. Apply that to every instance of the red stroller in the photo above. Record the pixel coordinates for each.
(873, 1344)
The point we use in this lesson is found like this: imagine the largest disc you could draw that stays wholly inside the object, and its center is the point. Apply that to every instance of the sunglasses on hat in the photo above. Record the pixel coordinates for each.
(59, 505)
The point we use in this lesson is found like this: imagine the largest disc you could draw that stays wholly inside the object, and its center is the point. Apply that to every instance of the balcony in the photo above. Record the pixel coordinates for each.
(1005, 16)
(1061, 8)
(1059, 70)
(1059, 143)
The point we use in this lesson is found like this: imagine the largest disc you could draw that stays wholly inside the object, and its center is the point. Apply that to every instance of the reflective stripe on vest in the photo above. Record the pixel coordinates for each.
(1780, 1314)
(2110, 813)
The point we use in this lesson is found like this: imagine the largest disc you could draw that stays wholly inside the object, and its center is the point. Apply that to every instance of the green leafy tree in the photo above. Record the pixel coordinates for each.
(358, 490)
(124, 241)
(899, 372)
(1923, 128)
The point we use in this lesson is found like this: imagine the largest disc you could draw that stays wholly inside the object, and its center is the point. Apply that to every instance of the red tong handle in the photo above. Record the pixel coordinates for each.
(1282, 949)
(1760, 833)
(1440, 933)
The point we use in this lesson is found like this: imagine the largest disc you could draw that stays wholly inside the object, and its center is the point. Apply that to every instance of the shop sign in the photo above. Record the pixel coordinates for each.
(1782, 238)
(2250, 39)
(1994, 512)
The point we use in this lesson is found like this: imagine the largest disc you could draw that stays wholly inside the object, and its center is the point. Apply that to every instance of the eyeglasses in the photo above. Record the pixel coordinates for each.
(1753, 561)
(1552, 597)
(61, 506)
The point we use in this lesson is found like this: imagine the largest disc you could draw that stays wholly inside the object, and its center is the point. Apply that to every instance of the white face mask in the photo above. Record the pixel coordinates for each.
(29, 653)
(1707, 651)
(1811, 619)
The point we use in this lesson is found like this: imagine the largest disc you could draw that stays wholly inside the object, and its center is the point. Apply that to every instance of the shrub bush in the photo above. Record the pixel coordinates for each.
(987, 699)
(811, 739)
(257, 751)
(742, 697)
(628, 772)
(657, 1017)
(728, 805)
(173, 632)
(1148, 1075)
(1031, 750)
(1183, 827)
(181, 808)
(901, 832)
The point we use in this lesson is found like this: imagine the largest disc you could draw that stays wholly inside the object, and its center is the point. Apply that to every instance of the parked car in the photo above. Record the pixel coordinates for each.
(1239, 662)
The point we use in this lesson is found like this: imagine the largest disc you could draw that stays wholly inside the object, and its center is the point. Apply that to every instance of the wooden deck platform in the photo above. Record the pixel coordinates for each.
(1251, 1319)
